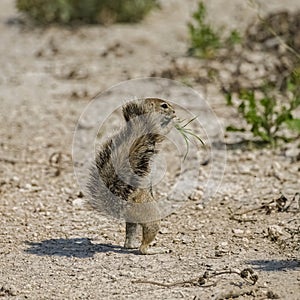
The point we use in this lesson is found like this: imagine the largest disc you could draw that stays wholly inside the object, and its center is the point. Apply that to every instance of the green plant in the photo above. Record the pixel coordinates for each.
(204, 40)
(266, 115)
(234, 38)
(88, 11)
(187, 134)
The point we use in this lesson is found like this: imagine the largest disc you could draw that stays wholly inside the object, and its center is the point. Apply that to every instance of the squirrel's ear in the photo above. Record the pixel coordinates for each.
(126, 112)
(130, 110)
(133, 109)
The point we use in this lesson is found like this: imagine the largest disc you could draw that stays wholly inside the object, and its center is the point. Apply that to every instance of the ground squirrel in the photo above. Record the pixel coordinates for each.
(124, 161)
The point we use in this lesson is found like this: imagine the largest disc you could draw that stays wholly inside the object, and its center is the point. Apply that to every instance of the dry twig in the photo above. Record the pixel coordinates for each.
(246, 274)
(279, 205)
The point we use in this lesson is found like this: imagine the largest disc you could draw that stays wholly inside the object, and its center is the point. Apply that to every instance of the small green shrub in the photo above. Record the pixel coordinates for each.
(204, 40)
(234, 38)
(88, 11)
(267, 115)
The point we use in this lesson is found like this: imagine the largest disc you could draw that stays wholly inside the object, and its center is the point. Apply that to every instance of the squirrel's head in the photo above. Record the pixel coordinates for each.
(150, 105)
(163, 107)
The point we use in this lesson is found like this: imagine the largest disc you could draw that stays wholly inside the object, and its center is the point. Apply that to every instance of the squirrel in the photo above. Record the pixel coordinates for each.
(123, 163)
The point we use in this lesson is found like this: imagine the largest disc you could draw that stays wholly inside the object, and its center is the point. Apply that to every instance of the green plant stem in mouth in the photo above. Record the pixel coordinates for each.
(187, 134)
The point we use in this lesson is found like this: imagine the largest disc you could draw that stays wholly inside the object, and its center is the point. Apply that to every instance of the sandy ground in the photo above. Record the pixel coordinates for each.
(51, 247)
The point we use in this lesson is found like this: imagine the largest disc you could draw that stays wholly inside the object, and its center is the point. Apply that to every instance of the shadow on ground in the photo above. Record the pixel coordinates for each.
(275, 265)
(77, 247)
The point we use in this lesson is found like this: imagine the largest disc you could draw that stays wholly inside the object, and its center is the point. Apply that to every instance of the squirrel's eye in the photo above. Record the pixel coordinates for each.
(164, 105)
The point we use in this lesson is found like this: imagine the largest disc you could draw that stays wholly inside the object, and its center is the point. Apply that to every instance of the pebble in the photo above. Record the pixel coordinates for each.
(255, 168)
(199, 207)
(238, 152)
(238, 232)
(251, 156)
(15, 179)
(255, 57)
(40, 207)
(196, 195)
(292, 152)
(164, 230)
(245, 240)
(224, 75)
(276, 232)
(276, 165)
(78, 202)
(8, 290)
(246, 68)
(34, 182)
(224, 244)
(28, 186)
(66, 191)
(113, 277)
(245, 170)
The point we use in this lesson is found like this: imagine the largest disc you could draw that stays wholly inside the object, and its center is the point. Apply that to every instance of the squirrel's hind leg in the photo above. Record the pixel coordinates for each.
(131, 241)
(150, 231)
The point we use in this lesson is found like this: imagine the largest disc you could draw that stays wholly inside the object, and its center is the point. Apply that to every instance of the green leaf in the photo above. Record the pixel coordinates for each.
(268, 104)
(241, 108)
(293, 124)
(228, 98)
(284, 116)
(234, 38)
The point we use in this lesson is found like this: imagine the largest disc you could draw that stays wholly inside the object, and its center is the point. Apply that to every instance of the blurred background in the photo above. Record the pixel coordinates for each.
(56, 55)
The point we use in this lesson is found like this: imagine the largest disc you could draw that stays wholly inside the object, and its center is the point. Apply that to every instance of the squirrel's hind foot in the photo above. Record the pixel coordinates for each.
(131, 240)
(131, 244)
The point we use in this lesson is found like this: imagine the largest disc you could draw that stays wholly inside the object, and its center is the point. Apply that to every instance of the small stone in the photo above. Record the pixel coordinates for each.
(15, 179)
(199, 207)
(238, 152)
(245, 240)
(250, 156)
(66, 191)
(292, 152)
(276, 165)
(40, 207)
(28, 186)
(245, 68)
(224, 244)
(245, 170)
(164, 230)
(113, 278)
(195, 196)
(255, 167)
(34, 182)
(272, 295)
(276, 232)
(78, 202)
(238, 232)
(8, 290)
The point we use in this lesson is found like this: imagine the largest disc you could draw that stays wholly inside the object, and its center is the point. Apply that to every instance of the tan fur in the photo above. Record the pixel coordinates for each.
(119, 176)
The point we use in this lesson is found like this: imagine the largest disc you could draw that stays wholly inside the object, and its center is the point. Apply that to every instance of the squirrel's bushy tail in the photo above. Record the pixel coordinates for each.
(123, 162)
